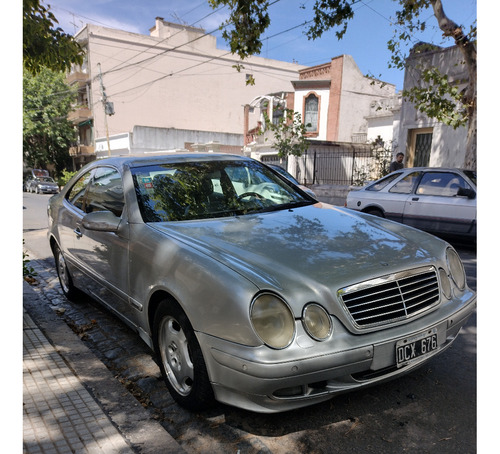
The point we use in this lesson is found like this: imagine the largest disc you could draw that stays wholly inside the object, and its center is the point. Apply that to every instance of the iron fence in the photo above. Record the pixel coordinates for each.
(342, 164)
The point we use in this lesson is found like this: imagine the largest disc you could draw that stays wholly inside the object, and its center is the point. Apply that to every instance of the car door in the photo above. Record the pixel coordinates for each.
(396, 197)
(105, 254)
(437, 205)
(70, 217)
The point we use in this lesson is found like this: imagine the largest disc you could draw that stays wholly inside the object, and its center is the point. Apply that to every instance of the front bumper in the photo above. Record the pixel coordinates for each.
(264, 380)
(48, 190)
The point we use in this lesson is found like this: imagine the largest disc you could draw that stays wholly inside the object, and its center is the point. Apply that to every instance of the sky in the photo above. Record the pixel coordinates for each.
(366, 38)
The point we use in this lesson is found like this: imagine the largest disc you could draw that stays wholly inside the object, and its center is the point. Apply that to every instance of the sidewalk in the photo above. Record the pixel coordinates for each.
(71, 402)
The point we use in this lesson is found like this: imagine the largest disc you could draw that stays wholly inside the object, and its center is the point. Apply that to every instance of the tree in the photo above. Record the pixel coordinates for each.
(249, 19)
(47, 133)
(289, 134)
(44, 44)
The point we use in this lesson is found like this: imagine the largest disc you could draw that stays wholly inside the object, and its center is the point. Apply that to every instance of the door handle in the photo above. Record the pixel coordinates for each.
(78, 232)
(415, 199)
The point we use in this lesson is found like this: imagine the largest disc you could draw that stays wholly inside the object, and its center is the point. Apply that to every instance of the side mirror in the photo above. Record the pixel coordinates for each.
(469, 193)
(101, 221)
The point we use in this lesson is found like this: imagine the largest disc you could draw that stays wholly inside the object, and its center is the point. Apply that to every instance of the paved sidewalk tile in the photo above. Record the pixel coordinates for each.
(59, 415)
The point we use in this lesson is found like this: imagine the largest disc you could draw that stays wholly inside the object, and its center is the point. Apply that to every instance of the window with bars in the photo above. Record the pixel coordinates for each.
(423, 144)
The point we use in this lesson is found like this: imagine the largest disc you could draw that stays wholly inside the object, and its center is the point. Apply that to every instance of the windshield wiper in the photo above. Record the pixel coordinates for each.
(285, 206)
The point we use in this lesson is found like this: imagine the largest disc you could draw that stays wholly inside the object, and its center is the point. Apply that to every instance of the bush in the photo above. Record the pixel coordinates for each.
(64, 178)
(29, 272)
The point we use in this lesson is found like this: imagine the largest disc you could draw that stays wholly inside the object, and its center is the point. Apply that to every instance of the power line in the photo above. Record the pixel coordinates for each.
(163, 40)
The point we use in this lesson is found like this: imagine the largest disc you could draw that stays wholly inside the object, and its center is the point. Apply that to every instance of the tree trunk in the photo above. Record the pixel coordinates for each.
(468, 49)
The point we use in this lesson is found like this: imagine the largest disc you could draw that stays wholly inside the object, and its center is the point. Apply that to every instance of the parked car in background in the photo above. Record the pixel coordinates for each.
(41, 185)
(438, 200)
(283, 172)
(250, 291)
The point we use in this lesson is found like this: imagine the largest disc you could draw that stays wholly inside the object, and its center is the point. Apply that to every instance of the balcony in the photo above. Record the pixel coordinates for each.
(77, 77)
(81, 150)
(80, 115)
(359, 137)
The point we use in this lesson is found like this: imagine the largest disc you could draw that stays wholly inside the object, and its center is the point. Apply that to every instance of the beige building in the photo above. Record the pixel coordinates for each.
(173, 89)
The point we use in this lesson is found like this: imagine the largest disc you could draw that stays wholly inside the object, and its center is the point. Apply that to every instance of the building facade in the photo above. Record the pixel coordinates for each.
(426, 141)
(343, 112)
(336, 103)
(335, 100)
(175, 84)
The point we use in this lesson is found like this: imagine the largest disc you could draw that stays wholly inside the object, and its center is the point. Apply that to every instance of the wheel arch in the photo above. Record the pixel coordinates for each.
(53, 243)
(375, 210)
(155, 300)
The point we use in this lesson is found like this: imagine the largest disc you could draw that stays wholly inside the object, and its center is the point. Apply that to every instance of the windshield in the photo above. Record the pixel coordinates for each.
(201, 190)
(472, 175)
(283, 172)
(45, 180)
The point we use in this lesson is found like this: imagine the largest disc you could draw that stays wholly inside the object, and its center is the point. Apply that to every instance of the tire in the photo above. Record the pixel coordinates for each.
(375, 212)
(180, 357)
(65, 280)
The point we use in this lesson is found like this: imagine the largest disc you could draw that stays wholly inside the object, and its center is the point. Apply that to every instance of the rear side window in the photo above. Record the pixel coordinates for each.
(444, 184)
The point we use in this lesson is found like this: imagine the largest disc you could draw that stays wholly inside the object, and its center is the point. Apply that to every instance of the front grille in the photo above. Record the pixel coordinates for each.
(392, 298)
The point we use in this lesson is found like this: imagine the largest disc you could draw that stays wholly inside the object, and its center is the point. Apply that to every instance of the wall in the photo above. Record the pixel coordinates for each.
(145, 139)
(357, 94)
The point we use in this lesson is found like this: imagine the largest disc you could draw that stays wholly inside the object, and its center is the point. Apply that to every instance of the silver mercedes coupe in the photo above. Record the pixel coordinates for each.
(250, 291)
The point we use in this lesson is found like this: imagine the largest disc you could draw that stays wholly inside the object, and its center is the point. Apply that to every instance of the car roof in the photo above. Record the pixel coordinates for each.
(435, 169)
(162, 158)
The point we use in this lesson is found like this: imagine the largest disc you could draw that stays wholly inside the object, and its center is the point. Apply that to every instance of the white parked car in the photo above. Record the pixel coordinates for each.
(437, 200)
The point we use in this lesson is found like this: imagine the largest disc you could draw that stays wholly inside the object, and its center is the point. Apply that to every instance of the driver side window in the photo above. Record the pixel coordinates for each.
(77, 192)
(105, 192)
(100, 189)
(406, 185)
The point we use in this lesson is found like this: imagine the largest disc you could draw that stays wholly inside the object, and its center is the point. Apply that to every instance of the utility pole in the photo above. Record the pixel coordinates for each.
(108, 107)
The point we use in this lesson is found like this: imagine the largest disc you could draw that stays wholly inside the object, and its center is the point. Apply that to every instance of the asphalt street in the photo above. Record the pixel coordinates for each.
(430, 410)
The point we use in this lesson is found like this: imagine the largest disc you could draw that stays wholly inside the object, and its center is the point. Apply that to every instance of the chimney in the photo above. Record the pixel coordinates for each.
(157, 31)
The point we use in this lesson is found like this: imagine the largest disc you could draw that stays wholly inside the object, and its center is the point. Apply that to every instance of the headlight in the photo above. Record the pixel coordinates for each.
(317, 322)
(456, 267)
(272, 320)
(445, 283)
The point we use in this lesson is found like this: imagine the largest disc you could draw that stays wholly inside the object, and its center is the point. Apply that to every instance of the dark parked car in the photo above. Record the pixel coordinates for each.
(437, 200)
(251, 292)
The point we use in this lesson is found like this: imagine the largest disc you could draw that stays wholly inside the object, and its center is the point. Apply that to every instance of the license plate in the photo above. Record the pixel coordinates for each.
(408, 350)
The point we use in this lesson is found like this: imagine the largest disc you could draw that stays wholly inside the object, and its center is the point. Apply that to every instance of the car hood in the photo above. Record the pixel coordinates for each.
(310, 249)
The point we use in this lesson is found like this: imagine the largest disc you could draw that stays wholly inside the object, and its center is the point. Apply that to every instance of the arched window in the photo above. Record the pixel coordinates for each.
(311, 113)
